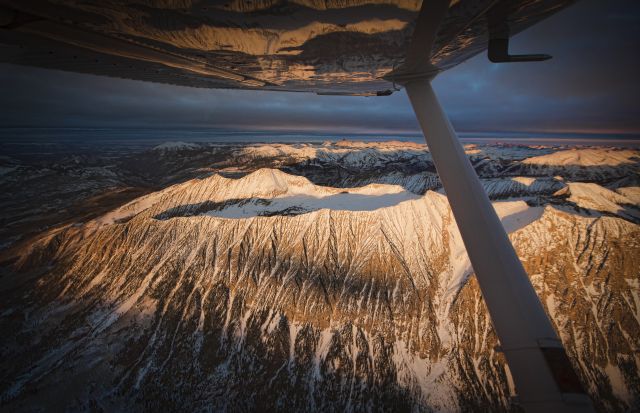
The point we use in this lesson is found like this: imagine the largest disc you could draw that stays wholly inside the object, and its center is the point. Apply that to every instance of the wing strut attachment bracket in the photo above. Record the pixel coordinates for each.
(498, 50)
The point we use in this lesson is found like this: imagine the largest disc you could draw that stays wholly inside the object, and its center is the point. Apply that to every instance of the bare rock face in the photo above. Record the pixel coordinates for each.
(167, 303)
(587, 273)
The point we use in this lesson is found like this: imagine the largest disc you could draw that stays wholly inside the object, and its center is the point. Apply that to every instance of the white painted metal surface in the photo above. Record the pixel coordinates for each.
(525, 333)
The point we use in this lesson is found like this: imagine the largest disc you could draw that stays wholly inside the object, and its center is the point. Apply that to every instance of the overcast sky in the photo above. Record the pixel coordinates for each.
(590, 85)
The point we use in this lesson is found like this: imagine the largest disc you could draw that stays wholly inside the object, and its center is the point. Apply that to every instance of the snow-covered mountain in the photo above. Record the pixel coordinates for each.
(332, 307)
(64, 186)
(269, 292)
(175, 146)
(581, 164)
(596, 199)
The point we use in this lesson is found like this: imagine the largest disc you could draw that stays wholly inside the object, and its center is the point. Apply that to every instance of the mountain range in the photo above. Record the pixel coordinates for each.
(297, 277)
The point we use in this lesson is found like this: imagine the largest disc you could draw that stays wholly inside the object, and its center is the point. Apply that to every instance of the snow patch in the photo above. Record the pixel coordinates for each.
(426, 375)
(176, 146)
(594, 197)
(322, 349)
(128, 210)
(586, 157)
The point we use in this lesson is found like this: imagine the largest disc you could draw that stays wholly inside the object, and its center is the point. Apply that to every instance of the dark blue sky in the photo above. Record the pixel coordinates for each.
(591, 85)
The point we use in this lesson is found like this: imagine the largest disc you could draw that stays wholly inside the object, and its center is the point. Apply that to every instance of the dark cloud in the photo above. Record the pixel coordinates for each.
(590, 85)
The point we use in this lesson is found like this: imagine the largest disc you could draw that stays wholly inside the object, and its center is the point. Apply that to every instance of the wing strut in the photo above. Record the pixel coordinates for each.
(544, 378)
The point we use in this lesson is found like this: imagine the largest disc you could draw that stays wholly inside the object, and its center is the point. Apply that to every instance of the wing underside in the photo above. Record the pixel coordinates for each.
(328, 47)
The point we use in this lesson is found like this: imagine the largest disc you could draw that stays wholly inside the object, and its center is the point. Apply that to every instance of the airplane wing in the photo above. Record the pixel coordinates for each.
(341, 47)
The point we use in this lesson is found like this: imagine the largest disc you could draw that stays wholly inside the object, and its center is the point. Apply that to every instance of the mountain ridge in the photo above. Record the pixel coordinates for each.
(172, 302)
(335, 308)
